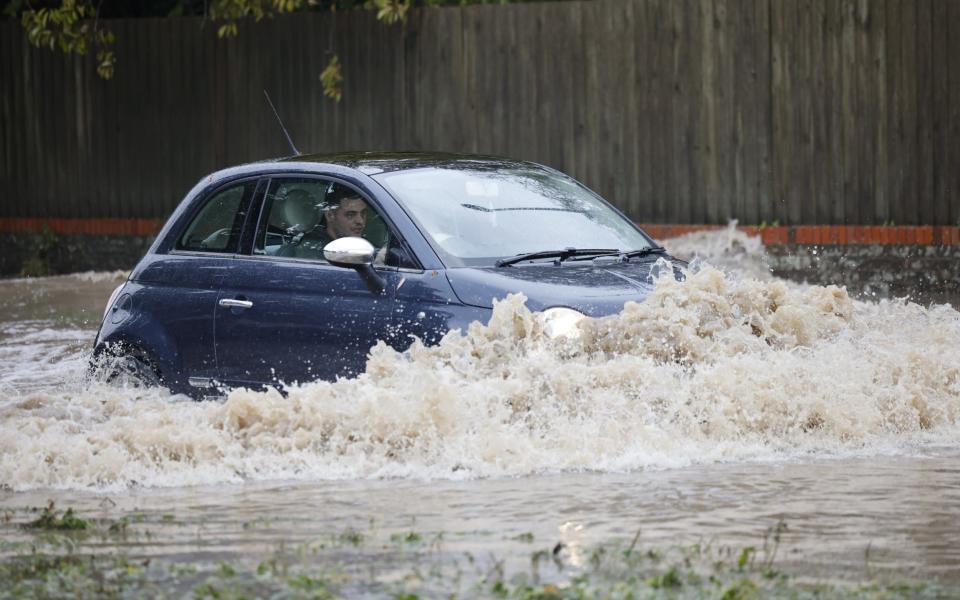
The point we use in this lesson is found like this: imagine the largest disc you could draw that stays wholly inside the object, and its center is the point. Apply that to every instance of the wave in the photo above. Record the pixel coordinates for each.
(717, 368)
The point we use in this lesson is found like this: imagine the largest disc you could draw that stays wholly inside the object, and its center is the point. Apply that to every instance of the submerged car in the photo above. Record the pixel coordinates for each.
(289, 271)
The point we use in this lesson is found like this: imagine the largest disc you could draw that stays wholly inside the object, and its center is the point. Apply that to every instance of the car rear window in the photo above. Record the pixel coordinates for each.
(216, 228)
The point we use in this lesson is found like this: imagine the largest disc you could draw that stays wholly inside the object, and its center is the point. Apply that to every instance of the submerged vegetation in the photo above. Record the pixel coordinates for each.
(61, 554)
(50, 518)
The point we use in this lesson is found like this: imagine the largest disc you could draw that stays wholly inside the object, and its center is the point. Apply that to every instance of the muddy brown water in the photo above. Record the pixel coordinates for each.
(841, 421)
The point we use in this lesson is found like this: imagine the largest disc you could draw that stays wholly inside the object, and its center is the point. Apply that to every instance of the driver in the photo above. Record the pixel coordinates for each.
(345, 215)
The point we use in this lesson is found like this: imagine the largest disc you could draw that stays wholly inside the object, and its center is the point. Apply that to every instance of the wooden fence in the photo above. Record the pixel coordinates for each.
(682, 111)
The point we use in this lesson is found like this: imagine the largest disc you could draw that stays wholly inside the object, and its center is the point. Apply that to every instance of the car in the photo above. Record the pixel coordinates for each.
(288, 271)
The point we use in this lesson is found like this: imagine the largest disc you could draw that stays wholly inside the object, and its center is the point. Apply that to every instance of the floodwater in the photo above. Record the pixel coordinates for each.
(722, 406)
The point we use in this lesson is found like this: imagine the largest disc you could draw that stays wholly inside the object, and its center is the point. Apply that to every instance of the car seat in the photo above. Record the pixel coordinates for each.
(300, 215)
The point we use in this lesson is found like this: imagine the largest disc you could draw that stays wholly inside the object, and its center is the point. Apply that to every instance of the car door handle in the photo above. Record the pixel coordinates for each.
(233, 303)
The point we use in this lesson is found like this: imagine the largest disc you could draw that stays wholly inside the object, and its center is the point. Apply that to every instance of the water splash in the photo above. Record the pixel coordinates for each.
(717, 368)
(729, 249)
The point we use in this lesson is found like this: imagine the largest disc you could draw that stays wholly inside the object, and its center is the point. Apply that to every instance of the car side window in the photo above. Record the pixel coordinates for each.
(216, 228)
(301, 216)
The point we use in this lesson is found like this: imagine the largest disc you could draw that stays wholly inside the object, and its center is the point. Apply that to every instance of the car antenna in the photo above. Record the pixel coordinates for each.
(289, 139)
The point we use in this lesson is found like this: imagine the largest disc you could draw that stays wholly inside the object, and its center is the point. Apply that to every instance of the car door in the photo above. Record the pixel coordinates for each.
(175, 290)
(285, 315)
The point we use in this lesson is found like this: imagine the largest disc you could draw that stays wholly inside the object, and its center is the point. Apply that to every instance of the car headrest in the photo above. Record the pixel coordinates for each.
(300, 211)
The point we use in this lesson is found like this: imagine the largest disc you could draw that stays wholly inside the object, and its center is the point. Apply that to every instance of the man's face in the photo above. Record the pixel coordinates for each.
(348, 219)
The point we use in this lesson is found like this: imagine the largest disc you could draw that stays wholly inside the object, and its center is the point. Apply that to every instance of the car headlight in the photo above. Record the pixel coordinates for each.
(561, 322)
(113, 298)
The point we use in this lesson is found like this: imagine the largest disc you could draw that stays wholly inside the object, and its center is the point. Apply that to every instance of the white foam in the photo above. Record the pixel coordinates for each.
(717, 368)
(729, 249)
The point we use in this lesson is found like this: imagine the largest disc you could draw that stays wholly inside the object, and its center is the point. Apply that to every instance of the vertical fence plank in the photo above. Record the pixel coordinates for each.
(744, 99)
(196, 138)
(24, 182)
(952, 159)
(13, 177)
(6, 108)
(924, 107)
(816, 162)
(578, 94)
(44, 115)
(904, 207)
(820, 161)
(940, 81)
(567, 98)
(125, 118)
(851, 168)
(892, 122)
(800, 149)
(253, 114)
(53, 129)
(645, 86)
(608, 102)
(710, 106)
(781, 20)
(478, 43)
(834, 36)
(872, 24)
(36, 107)
(682, 73)
(620, 119)
(693, 127)
(145, 126)
(763, 126)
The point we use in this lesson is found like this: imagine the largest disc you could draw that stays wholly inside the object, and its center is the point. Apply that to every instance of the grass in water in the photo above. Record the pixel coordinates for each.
(352, 563)
(51, 520)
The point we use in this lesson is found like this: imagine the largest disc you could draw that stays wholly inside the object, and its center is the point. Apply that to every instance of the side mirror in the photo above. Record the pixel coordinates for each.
(349, 252)
(355, 253)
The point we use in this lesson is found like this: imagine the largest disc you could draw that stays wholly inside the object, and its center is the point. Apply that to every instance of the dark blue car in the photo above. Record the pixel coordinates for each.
(291, 270)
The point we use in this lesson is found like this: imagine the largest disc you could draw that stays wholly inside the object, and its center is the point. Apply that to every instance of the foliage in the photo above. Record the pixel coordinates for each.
(331, 78)
(229, 12)
(76, 26)
(391, 11)
(73, 28)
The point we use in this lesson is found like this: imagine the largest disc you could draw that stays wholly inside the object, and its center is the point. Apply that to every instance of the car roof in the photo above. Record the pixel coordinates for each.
(380, 162)
(368, 163)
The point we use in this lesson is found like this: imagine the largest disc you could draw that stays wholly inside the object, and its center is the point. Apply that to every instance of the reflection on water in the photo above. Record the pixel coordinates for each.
(711, 414)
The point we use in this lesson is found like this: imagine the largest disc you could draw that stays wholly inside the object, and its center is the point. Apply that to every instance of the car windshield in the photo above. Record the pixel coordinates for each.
(474, 217)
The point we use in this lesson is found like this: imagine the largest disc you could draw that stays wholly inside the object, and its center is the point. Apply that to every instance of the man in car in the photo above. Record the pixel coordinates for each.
(345, 215)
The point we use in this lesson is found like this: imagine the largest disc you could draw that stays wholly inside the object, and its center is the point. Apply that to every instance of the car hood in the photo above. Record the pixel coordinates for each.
(595, 290)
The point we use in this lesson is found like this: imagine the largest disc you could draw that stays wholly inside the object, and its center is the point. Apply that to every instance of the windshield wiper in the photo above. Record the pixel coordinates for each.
(562, 255)
(645, 252)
